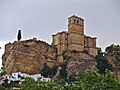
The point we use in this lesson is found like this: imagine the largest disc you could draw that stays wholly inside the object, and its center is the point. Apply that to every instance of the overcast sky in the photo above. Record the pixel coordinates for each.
(42, 18)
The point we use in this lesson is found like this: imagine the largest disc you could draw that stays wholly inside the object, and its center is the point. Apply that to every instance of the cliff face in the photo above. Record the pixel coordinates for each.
(27, 56)
(77, 62)
(79, 66)
(115, 61)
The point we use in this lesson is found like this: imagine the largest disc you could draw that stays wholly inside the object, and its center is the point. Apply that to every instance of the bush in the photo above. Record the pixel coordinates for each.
(46, 71)
(90, 80)
(102, 64)
(113, 50)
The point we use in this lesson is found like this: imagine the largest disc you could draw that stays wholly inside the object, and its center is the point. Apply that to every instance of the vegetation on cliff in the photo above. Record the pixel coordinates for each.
(101, 78)
(103, 64)
(47, 71)
(90, 80)
(113, 50)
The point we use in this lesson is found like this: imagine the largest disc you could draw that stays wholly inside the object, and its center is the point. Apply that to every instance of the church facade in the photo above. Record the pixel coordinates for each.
(74, 38)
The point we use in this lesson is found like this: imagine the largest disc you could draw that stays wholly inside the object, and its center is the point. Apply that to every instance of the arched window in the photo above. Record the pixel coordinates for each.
(70, 21)
(77, 21)
(74, 20)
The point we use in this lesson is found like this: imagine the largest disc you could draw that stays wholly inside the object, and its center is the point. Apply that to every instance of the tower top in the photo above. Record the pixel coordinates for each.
(75, 20)
(75, 24)
(74, 16)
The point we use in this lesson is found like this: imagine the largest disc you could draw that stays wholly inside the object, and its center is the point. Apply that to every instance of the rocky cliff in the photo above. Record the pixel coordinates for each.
(77, 62)
(115, 61)
(79, 66)
(27, 56)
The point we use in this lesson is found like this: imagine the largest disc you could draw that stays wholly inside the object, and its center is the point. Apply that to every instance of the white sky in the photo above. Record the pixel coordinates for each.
(42, 18)
(1, 51)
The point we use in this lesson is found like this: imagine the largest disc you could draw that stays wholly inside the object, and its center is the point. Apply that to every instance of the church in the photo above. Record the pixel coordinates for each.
(29, 56)
(74, 38)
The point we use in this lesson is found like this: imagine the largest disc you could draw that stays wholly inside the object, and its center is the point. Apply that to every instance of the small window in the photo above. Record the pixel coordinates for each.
(77, 21)
(69, 21)
(74, 20)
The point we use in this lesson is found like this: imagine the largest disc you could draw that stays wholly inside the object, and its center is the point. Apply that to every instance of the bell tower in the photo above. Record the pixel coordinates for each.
(75, 25)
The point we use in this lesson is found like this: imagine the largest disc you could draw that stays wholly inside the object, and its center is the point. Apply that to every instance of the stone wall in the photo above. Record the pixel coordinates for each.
(60, 40)
(74, 38)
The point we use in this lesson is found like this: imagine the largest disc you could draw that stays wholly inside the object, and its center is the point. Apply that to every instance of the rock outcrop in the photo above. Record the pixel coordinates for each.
(27, 56)
(79, 66)
(67, 54)
(115, 61)
(77, 62)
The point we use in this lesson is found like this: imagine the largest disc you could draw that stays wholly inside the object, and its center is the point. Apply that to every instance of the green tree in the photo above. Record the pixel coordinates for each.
(90, 80)
(100, 51)
(19, 35)
(54, 70)
(30, 84)
(63, 72)
(113, 50)
(46, 71)
(15, 84)
(3, 73)
(103, 64)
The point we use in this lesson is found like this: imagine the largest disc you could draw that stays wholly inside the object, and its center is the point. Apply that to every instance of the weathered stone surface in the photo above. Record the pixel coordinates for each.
(27, 56)
(115, 61)
(78, 65)
(77, 61)
(67, 54)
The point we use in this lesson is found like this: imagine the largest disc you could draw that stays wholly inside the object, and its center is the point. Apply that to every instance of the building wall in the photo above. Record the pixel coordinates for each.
(74, 39)
(60, 40)
(90, 45)
(76, 47)
(93, 51)
(56, 39)
(73, 28)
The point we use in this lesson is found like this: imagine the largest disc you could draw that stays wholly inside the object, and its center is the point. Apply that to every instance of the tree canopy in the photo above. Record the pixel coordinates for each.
(90, 80)
(103, 64)
(113, 50)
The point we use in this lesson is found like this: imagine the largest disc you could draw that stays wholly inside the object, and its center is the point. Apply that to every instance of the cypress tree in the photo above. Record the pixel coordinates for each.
(19, 35)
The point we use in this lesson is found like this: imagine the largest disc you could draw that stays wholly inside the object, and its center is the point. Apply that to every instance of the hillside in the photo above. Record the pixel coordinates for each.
(29, 56)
